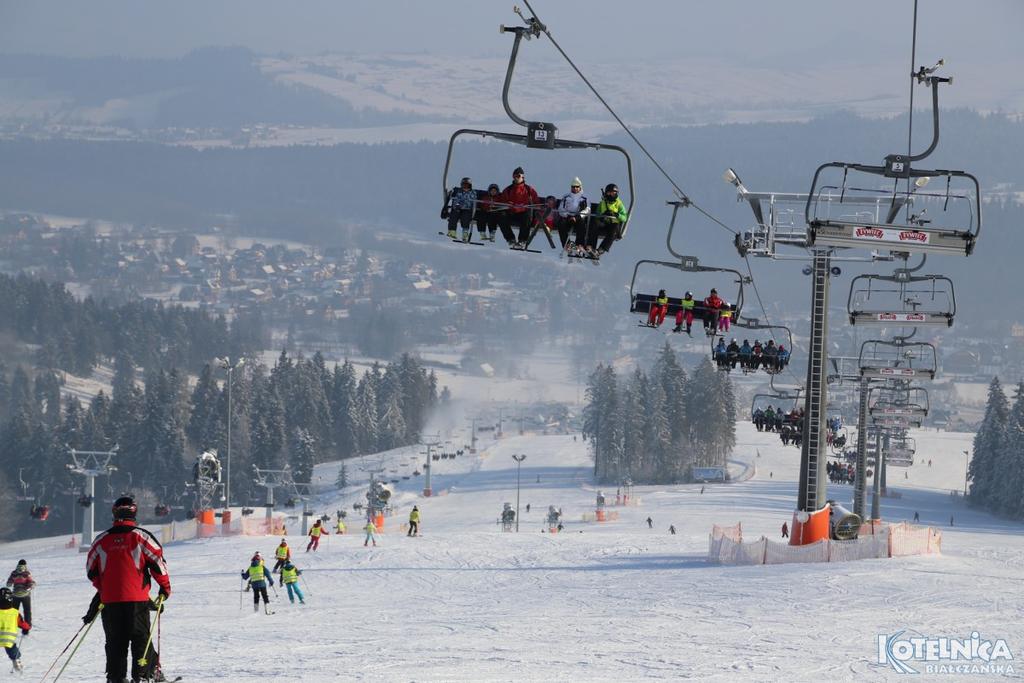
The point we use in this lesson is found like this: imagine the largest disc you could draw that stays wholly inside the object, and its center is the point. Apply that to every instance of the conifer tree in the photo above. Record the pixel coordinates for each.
(988, 443)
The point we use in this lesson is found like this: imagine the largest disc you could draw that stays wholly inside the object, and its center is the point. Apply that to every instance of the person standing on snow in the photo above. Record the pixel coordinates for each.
(650, 523)
(785, 530)
(282, 553)
(259, 578)
(21, 584)
(122, 563)
(290, 578)
(371, 533)
(414, 522)
(340, 530)
(314, 535)
(10, 622)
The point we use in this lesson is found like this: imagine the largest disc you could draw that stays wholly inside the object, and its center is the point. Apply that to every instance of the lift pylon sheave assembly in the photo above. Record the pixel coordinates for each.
(952, 229)
(640, 302)
(539, 134)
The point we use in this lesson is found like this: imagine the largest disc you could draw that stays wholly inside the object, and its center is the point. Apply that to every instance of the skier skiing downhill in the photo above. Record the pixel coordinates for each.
(290, 578)
(371, 533)
(21, 584)
(414, 522)
(122, 563)
(258, 577)
(314, 535)
(283, 554)
(10, 622)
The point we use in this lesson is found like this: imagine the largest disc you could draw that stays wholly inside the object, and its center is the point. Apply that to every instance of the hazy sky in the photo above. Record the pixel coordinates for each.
(786, 33)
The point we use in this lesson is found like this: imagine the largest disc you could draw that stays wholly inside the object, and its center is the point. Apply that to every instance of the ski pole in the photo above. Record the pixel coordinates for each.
(241, 593)
(274, 588)
(57, 658)
(149, 641)
(75, 649)
(306, 584)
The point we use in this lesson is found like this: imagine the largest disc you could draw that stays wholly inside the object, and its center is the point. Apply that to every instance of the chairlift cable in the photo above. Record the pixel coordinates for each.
(679, 191)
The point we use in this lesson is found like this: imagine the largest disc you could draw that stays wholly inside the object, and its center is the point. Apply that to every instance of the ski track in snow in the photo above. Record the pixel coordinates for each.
(617, 602)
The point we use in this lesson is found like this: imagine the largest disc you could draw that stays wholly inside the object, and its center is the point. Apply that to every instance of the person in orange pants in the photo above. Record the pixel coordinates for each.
(314, 536)
(658, 310)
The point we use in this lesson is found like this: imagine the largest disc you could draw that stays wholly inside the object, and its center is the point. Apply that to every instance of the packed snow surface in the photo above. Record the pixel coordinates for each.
(609, 602)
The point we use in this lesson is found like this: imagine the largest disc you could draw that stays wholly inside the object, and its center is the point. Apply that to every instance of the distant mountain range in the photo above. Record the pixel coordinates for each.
(231, 96)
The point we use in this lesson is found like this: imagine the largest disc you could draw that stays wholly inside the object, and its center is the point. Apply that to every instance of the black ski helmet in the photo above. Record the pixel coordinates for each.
(466, 181)
(609, 187)
(125, 508)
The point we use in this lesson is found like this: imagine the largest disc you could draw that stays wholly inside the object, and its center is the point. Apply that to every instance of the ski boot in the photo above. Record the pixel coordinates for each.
(18, 666)
(678, 328)
(451, 234)
(490, 237)
(467, 235)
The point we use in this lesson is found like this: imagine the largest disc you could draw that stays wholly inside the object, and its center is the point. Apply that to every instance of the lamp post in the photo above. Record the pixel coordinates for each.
(519, 463)
(967, 469)
(230, 367)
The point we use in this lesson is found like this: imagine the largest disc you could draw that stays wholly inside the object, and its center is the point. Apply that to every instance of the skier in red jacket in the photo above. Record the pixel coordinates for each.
(521, 200)
(122, 563)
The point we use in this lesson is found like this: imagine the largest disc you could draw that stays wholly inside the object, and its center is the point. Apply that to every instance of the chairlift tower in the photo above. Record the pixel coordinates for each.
(271, 480)
(90, 464)
(430, 442)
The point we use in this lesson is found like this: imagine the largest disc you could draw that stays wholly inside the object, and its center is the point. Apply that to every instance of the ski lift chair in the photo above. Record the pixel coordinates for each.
(539, 134)
(952, 228)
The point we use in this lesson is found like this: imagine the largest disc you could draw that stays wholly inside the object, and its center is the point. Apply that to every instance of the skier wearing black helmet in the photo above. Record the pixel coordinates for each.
(488, 213)
(611, 215)
(122, 563)
(462, 204)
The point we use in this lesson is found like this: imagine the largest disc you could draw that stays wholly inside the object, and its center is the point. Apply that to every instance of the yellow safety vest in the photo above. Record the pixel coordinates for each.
(687, 303)
(256, 573)
(414, 516)
(315, 531)
(369, 528)
(281, 552)
(289, 575)
(8, 627)
(341, 526)
(726, 312)
(662, 300)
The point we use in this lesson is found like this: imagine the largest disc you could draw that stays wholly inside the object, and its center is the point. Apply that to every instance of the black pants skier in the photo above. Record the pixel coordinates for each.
(259, 588)
(414, 528)
(522, 220)
(25, 604)
(459, 217)
(277, 565)
(487, 222)
(127, 623)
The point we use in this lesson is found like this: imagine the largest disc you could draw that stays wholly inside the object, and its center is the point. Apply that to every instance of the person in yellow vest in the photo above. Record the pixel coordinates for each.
(314, 535)
(658, 310)
(725, 317)
(685, 313)
(290, 578)
(283, 553)
(371, 533)
(258, 577)
(341, 527)
(10, 622)
(414, 522)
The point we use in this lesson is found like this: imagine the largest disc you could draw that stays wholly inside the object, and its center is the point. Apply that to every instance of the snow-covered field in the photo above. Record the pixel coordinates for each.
(615, 602)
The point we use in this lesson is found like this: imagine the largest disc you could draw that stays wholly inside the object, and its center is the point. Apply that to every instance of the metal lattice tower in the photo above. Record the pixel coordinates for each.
(813, 490)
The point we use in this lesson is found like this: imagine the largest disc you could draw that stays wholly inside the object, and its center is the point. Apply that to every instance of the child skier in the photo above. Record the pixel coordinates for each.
(414, 522)
(258, 577)
(10, 622)
(290, 578)
(371, 533)
(314, 535)
(341, 527)
(283, 554)
(21, 584)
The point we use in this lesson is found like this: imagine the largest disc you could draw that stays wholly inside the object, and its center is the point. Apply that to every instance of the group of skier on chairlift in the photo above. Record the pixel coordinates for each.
(751, 357)
(584, 229)
(713, 311)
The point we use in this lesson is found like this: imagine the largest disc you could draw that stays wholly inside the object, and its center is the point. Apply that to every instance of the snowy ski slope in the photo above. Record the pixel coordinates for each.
(616, 602)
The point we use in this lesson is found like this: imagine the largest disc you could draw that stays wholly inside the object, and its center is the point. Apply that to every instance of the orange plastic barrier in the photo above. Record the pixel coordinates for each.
(378, 522)
(812, 529)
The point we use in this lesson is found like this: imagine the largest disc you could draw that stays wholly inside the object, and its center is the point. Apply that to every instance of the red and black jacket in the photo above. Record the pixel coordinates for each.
(122, 562)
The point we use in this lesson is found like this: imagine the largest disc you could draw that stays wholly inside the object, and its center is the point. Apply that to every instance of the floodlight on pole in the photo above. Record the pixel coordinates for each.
(230, 367)
(519, 458)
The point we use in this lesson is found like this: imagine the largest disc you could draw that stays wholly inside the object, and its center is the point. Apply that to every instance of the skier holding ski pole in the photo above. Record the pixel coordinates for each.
(258, 577)
(122, 563)
(10, 622)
